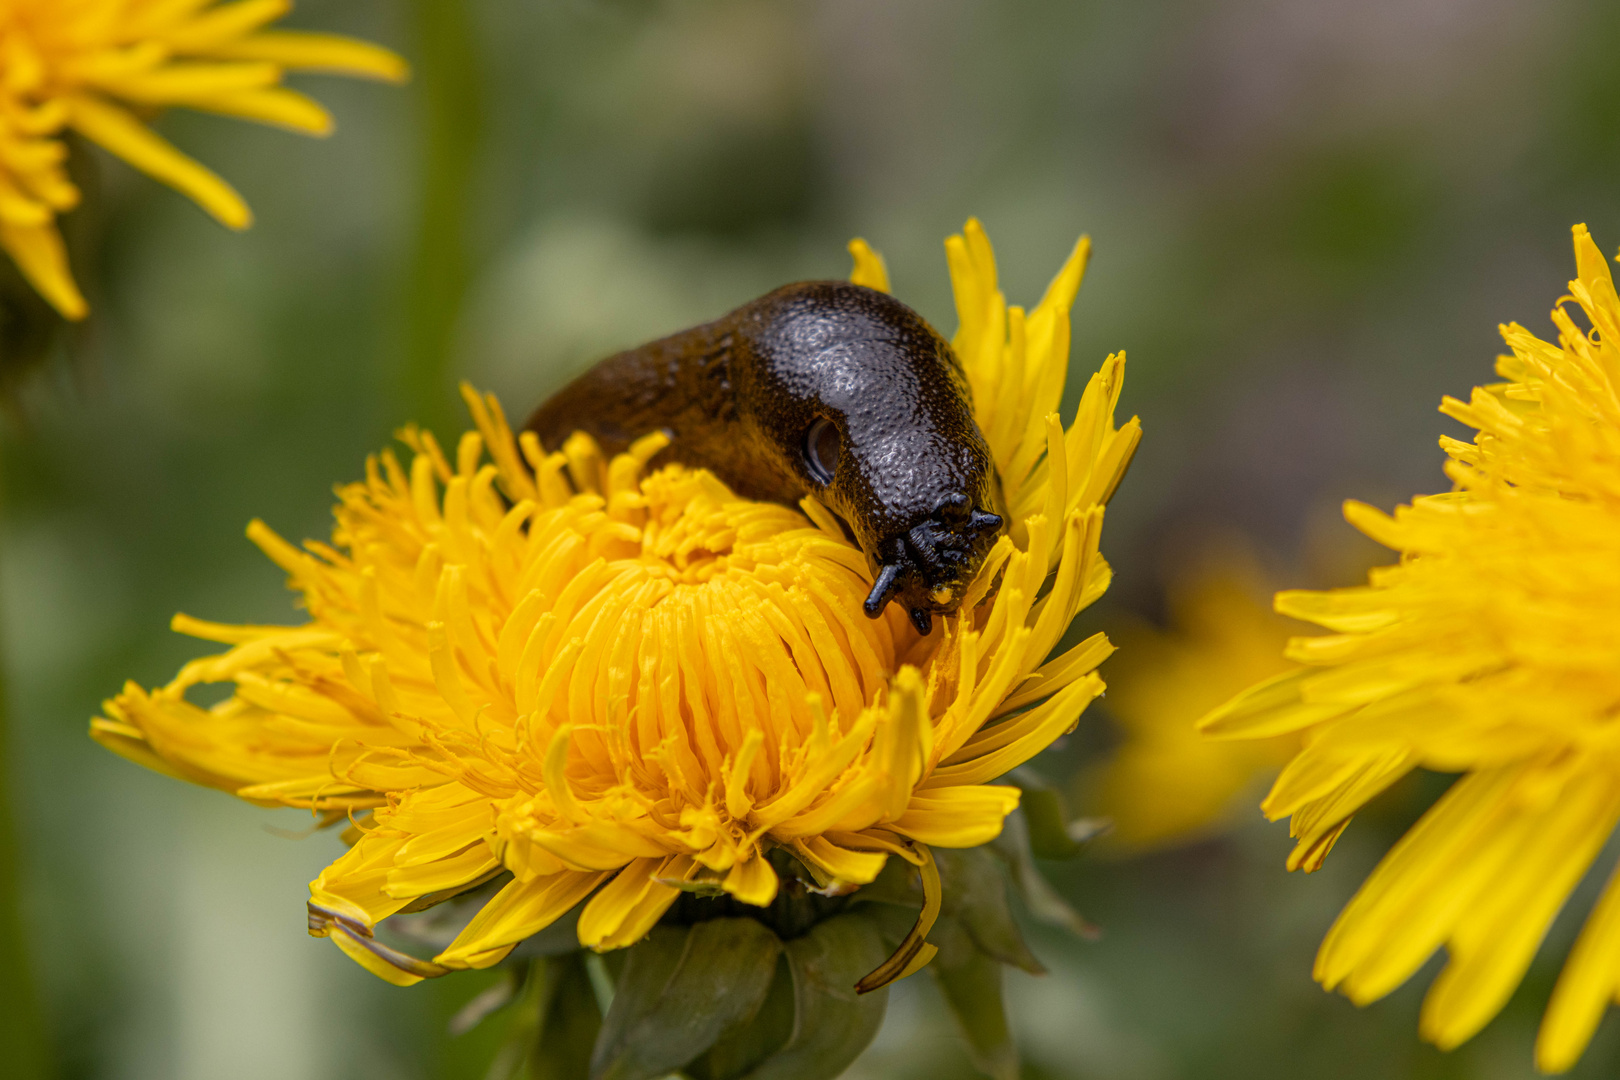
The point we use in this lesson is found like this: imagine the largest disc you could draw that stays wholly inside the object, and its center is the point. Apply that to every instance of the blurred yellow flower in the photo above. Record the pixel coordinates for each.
(101, 67)
(1167, 783)
(1492, 650)
(608, 682)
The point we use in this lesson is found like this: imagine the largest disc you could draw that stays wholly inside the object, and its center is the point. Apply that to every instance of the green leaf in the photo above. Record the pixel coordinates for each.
(971, 983)
(743, 1047)
(680, 991)
(832, 1024)
(976, 894)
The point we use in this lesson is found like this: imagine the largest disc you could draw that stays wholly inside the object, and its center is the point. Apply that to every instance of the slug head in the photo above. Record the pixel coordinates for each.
(869, 409)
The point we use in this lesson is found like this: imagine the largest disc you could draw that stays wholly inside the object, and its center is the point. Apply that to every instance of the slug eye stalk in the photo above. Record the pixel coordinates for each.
(928, 566)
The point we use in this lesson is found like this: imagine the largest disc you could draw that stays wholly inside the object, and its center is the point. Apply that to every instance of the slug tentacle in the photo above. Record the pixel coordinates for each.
(883, 589)
(824, 388)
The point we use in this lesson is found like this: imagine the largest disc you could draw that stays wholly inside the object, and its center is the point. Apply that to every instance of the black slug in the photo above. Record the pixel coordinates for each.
(822, 388)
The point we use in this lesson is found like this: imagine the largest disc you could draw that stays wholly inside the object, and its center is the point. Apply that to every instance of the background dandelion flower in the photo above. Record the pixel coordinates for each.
(620, 686)
(1166, 783)
(1490, 650)
(100, 67)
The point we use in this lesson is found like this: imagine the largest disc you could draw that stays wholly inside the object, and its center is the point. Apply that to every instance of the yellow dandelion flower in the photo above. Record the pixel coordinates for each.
(614, 685)
(1166, 783)
(97, 67)
(1490, 650)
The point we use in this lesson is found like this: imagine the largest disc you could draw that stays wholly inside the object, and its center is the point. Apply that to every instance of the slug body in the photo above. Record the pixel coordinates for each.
(821, 388)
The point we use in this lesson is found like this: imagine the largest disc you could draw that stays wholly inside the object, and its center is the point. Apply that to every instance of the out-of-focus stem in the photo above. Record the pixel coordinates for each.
(22, 1031)
(450, 122)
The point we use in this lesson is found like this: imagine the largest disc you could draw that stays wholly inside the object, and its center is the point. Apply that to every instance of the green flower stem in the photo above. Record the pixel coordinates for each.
(450, 122)
(22, 1031)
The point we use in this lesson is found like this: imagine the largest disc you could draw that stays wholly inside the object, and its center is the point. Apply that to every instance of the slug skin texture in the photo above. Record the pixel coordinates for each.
(750, 397)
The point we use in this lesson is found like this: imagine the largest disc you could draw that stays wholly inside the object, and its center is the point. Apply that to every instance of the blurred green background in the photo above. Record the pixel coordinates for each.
(1309, 218)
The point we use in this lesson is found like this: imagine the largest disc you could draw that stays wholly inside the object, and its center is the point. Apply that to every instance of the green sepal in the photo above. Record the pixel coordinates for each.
(554, 1024)
(1048, 836)
(1051, 834)
(743, 1047)
(434, 920)
(832, 1024)
(563, 1049)
(895, 884)
(975, 886)
(509, 986)
(971, 983)
(527, 1028)
(703, 886)
(680, 990)
(892, 922)
(558, 939)
(1043, 901)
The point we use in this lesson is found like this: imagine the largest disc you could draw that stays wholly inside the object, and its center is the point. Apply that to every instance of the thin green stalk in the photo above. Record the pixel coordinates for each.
(450, 97)
(22, 1029)
(449, 123)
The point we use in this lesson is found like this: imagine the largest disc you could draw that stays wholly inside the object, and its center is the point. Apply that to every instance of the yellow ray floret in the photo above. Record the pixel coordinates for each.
(98, 66)
(1492, 650)
(609, 683)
